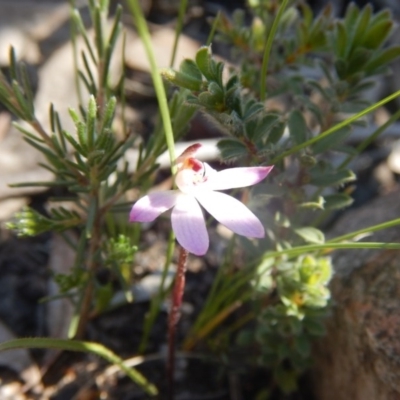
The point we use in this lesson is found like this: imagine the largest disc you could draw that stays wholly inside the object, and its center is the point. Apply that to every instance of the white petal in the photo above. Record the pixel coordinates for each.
(231, 213)
(149, 207)
(189, 226)
(232, 178)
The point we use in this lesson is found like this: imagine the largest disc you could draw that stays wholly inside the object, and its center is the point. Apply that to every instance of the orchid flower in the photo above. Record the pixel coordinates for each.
(198, 183)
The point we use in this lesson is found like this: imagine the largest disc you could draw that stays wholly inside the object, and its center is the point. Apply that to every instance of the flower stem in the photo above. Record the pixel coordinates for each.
(87, 300)
(177, 295)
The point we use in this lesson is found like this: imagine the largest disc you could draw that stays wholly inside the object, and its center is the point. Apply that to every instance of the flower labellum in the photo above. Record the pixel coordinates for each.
(198, 184)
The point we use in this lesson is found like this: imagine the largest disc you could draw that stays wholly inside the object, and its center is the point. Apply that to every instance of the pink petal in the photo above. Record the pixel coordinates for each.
(149, 207)
(231, 213)
(189, 225)
(232, 178)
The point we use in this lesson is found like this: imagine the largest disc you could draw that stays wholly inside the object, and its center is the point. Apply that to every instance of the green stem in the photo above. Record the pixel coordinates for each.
(335, 128)
(329, 246)
(365, 143)
(93, 230)
(267, 50)
(213, 28)
(369, 229)
(86, 347)
(157, 80)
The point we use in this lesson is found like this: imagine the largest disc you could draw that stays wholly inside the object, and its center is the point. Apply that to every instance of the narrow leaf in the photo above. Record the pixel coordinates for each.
(337, 201)
(310, 234)
(331, 178)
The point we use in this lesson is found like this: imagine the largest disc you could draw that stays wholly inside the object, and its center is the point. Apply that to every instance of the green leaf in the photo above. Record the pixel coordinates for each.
(77, 146)
(337, 201)
(362, 86)
(303, 345)
(383, 58)
(383, 15)
(375, 37)
(233, 100)
(233, 82)
(216, 90)
(252, 109)
(324, 270)
(310, 234)
(319, 204)
(91, 119)
(358, 60)
(351, 16)
(276, 133)
(297, 127)
(317, 34)
(108, 114)
(211, 101)
(190, 69)
(264, 127)
(341, 68)
(341, 40)
(250, 128)
(307, 14)
(314, 326)
(219, 71)
(182, 80)
(321, 177)
(362, 26)
(231, 149)
(203, 61)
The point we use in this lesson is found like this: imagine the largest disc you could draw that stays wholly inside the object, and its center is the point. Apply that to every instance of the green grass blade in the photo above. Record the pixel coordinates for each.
(156, 76)
(335, 128)
(268, 47)
(81, 346)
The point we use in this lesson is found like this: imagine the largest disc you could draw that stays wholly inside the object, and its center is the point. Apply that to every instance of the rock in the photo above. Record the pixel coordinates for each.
(22, 26)
(162, 40)
(57, 82)
(359, 358)
(19, 163)
(18, 160)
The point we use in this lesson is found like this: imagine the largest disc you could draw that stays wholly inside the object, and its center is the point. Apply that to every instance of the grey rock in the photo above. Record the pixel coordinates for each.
(359, 358)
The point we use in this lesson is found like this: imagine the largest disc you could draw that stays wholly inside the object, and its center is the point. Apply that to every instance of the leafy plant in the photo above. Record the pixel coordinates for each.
(319, 69)
(291, 96)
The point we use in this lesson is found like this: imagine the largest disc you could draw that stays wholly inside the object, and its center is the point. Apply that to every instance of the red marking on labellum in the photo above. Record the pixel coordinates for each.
(193, 164)
(189, 152)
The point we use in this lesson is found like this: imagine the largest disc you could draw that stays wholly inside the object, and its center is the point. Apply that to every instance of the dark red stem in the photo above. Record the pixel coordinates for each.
(173, 319)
